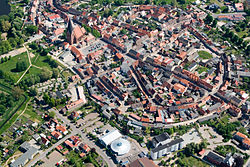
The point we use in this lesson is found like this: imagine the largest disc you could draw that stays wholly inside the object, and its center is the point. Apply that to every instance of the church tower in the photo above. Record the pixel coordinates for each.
(70, 31)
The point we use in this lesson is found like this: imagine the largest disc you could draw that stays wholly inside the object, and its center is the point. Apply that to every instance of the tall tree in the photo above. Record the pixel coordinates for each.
(5, 25)
(17, 92)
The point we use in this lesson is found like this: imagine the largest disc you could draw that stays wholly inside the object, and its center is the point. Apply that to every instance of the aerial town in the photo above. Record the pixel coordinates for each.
(127, 83)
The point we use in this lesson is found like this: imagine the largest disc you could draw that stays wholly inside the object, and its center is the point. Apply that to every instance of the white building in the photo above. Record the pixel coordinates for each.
(163, 145)
(109, 137)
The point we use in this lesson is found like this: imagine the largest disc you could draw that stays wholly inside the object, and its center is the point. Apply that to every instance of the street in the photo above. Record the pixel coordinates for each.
(74, 131)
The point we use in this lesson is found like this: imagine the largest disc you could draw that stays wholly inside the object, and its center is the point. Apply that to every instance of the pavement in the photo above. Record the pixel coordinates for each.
(75, 131)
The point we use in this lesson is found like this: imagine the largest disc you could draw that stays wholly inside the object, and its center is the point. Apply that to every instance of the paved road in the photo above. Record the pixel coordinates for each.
(43, 154)
(85, 139)
(74, 132)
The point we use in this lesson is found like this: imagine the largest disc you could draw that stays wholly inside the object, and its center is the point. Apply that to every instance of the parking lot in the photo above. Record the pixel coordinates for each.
(212, 137)
(52, 159)
(93, 47)
(191, 136)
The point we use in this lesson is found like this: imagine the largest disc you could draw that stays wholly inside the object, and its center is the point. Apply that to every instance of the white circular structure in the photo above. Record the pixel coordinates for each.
(120, 146)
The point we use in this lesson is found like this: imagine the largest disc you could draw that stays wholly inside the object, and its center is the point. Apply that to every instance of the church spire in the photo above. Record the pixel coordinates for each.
(70, 26)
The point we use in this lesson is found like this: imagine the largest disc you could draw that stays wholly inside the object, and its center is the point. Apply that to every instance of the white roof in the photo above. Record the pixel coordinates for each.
(110, 136)
(120, 146)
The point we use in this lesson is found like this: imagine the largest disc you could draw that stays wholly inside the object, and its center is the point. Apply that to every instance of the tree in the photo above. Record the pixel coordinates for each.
(171, 131)
(46, 98)
(123, 31)
(31, 29)
(21, 66)
(52, 102)
(5, 25)
(55, 73)
(26, 1)
(45, 75)
(208, 19)
(13, 42)
(237, 29)
(96, 33)
(52, 114)
(147, 2)
(2, 109)
(17, 92)
(214, 23)
(1, 74)
(33, 92)
(53, 63)
(239, 162)
(148, 130)
(225, 9)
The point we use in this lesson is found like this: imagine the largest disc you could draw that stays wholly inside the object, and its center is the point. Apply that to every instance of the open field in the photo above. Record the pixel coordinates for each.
(191, 161)
(31, 114)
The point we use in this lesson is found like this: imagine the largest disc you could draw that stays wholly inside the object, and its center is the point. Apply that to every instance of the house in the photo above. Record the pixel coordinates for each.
(44, 140)
(214, 158)
(62, 129)
(84, 147)
(192, 66)
(239, 7)
(56, 135)
(243, 139)
(229, 160)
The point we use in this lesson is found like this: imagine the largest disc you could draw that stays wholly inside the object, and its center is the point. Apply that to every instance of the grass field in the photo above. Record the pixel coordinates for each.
(205, 55)
(10, 66)
(31, 114)
(32, 71)
(191, 161)
(41, 62)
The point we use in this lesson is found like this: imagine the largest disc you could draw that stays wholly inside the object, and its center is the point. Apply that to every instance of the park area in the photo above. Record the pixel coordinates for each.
(204, 55)
(9, 67)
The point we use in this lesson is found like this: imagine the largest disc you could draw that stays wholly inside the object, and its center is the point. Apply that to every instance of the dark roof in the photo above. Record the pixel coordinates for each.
(161, 147)
(59, 94)
(161, 137)
(236, 100)
(70, 26)
(142, 162)
(215, 157)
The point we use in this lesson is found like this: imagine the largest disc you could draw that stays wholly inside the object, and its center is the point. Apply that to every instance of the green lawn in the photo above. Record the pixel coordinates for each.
(33, 71)
(191, 161)
(31, 114)
(10, 66)
(41, 61)
(201, 69)
(205, 55)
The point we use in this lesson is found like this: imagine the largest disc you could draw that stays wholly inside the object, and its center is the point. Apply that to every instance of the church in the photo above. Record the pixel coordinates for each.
(75, 34)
